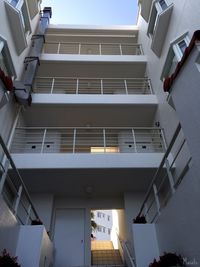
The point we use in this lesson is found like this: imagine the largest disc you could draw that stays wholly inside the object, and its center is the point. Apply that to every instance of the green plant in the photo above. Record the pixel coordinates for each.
(140, 219)
(168, 260)
(93, 223)
(7, 261)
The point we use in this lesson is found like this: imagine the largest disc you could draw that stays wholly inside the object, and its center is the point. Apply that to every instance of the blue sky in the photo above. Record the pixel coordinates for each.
(93, 12)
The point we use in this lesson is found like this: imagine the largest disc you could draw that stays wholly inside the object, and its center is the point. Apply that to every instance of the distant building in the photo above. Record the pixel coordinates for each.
(104, 221)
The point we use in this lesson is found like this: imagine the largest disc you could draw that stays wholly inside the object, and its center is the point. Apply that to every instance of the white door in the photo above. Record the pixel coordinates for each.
(69, 237)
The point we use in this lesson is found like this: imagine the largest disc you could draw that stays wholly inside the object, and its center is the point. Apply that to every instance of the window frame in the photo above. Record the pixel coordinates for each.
(8, 59)
(174, 51)
(24, 17)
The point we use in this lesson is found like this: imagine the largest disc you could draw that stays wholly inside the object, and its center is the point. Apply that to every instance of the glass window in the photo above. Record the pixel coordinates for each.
(163, 4)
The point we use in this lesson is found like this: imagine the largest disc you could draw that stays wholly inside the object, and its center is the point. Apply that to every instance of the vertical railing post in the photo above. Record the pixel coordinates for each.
(120, 49)
(43, 140)
(146, 212)
(134, 140)
(52, 85)
(79, 48)
(28, 214)
(101, 86)
(100, 51)
(149, 86)
(58, 50)
(170, 177)
(126, 88)
(77, 86)
(3, 177)
(156, 198)
(163, 138)
(74, 141)
(104, 140)
(19, 193)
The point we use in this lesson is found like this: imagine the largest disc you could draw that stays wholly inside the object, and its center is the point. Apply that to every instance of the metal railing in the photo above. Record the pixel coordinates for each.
(88, 140)
(126, 254)
(14, 190)
(92, 48)
(104, 86)
(167, 177)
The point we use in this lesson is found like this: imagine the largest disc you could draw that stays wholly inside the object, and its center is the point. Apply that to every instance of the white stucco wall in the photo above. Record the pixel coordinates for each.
(9, 229)
(44, 206)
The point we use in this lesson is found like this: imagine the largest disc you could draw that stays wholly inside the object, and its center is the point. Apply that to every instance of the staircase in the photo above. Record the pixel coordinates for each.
(103, 253)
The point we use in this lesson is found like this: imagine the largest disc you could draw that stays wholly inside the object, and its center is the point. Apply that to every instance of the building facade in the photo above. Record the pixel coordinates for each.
(86, 125)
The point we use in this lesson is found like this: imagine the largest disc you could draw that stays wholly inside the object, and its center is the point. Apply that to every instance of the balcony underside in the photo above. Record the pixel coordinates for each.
(76, 182)
(96, 66)
(98, 115)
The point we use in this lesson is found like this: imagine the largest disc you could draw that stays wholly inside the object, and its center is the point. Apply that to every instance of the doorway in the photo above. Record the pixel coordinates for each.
(69, 237)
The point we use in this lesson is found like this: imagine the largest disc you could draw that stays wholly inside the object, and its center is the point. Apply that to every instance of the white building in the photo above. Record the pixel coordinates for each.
(100, 133)
(104, 221)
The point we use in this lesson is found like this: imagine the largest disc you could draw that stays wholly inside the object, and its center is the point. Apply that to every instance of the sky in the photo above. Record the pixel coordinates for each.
(93, 12)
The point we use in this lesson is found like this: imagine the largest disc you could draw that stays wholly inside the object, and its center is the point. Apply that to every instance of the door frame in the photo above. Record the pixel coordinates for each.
(54, 224)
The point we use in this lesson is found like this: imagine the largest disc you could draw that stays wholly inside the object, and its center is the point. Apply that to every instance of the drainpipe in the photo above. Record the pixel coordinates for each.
(23, 88)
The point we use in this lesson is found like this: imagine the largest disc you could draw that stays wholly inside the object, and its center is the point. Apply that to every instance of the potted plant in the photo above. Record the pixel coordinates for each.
(168, 260)
(140, 219)
(7, 261)
(36, 222)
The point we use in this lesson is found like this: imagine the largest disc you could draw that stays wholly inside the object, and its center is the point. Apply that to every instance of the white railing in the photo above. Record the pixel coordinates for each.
(167, 177)
(13, 189)
(65, 85)
(128, 260)
(92, 48)
(88, 140)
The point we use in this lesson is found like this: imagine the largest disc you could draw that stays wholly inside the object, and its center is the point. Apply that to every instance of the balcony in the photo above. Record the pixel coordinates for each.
(88, 140)
(78, 86)
(92, 48)
(87, 156)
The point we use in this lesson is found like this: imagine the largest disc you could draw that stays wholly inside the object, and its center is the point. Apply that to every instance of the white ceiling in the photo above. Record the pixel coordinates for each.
(93, 115)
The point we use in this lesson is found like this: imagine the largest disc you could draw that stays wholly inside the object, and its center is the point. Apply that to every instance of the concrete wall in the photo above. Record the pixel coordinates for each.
(9, 229)
(38, 251)
(183, 207)
(132, 204)
(185, 18)
(178, 225)
(44, 206)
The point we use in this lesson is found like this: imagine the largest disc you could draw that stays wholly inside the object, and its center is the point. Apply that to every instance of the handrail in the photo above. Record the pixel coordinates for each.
(134, 44)
(7, 154)
(91, 127)
(165, 181)
(178, 129)
(124, 246)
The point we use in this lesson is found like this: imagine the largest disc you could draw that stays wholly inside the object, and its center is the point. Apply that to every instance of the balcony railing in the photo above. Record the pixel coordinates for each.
(62, 85)
(13, 189)
(88, 140)
(92, 48)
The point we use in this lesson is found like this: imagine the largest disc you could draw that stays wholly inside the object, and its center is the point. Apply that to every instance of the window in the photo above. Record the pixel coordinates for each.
(99, 214)
(109, 231)
(99, 228)
(104, 229)
(108, 217)
(5, 59)
(176, 51)
(103, 215)
(158, 24)
(162, 4)
(21, 6)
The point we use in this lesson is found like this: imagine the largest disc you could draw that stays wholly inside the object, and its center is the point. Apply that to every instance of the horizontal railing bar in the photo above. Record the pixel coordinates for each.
(102, 43)
(88, 128)
(89, 78)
